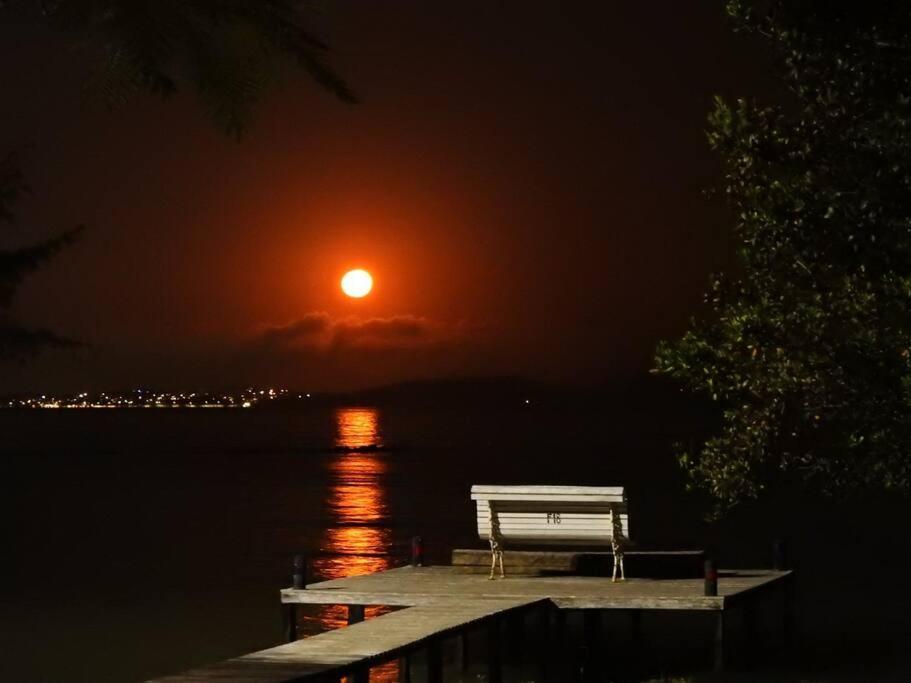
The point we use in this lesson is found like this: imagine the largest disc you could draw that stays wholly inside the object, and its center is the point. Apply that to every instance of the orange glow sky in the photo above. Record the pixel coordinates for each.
(525, 188)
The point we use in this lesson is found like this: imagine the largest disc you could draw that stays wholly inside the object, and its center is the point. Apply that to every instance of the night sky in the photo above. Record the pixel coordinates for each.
(524, 180)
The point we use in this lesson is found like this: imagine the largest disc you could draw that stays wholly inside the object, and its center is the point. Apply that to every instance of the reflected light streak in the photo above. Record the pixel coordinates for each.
(359, 540)
(357, 428)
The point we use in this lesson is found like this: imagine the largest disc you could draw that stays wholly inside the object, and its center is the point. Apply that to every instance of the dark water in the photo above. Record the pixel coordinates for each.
(138, 543)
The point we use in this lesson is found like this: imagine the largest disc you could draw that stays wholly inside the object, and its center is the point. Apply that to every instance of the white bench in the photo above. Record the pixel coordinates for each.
(552, 515)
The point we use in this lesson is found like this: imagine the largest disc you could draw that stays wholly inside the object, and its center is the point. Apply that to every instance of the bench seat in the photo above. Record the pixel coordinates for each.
(644, 564)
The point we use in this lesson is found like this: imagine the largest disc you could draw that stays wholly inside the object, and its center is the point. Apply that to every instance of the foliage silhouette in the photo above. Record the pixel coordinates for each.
(806, 350)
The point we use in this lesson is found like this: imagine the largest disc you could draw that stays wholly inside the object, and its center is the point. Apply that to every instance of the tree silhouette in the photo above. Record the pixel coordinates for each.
(808, 346)
(228, 51)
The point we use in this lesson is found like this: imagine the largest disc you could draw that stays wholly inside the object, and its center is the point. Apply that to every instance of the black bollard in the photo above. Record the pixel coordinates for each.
(299, 581)
(711, 578)
(299, 572)
(779, 554)
(417, 551)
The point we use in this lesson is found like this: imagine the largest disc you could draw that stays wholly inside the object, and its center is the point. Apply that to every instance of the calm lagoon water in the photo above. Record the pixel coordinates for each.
(138, 543)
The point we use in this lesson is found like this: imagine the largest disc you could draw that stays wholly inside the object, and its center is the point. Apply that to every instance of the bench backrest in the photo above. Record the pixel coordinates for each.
(551, 515)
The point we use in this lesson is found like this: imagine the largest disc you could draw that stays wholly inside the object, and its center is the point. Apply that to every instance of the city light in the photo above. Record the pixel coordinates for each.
(143, 398)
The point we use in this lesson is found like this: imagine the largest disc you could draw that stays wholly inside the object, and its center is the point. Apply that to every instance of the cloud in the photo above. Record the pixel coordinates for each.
(319, 331)
(320, 351)
(311, 326)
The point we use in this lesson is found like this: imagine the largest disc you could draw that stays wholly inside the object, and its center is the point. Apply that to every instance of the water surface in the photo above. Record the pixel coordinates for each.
(139, 543)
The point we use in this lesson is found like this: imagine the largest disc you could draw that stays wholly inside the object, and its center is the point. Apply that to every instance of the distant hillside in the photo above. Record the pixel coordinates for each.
(645, 394)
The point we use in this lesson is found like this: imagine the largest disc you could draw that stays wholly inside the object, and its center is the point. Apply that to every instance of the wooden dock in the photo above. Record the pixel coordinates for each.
(447, 601)
(410, 586)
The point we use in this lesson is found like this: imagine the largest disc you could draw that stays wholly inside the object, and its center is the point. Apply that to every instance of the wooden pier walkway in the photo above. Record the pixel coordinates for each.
(356, 647)
(445, 601)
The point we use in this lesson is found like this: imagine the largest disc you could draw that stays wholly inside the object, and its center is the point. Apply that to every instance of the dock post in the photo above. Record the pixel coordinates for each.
(594, 638)
(405, 669)
(355, 614)
(788, 614)
(751, 627)
(463, 650)
(637, 647)
(291, 622)
(494, 664)
(515, 637)
(635, 624)
(719, 640)
(361, 674)
(544, 667)
(435, 661)
(559, 666)
(782, 562)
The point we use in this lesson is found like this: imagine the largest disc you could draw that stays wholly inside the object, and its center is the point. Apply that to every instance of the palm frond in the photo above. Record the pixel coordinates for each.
(17, 342)
(16, 264)
(12, 186)
(158, 46)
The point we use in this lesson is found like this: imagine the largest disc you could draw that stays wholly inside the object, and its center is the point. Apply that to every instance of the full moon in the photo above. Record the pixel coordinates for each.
(357, 283)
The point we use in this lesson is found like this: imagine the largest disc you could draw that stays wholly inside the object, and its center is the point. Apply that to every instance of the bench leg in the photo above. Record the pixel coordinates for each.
(618, 564)
(496, 543)
(496, 555)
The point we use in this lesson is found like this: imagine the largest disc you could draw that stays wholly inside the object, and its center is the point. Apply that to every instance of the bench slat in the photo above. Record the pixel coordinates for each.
(528, 532)
(544, 516)
(555, 530)
(538, 489)
(586, 541)
(604, 524)
(544, 497)
(567, 513)
(529, 506)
